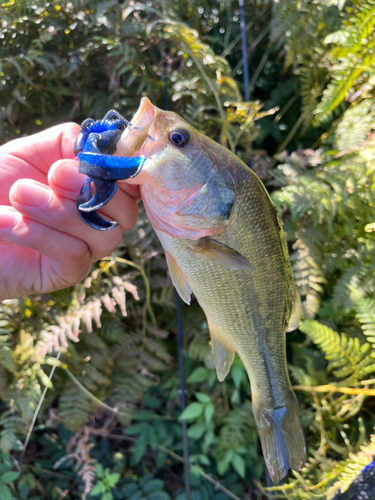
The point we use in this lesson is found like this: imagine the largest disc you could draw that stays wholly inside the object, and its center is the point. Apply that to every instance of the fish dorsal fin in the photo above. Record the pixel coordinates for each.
(178, 279)
(295, 315)
(223, 354)
(221, 254)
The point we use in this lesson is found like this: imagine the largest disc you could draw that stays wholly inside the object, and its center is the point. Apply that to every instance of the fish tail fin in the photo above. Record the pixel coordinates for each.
(282, 438)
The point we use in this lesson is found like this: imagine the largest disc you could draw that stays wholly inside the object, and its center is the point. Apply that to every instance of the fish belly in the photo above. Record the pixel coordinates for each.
(249, 312)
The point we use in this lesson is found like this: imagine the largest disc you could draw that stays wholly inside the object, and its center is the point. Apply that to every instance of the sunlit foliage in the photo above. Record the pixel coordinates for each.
(109, 422)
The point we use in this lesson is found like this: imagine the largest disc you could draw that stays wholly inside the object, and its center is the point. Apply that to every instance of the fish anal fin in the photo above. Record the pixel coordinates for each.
(178, 279)
(223, 354)
(282, 439)
(221, 254)
(295, 315)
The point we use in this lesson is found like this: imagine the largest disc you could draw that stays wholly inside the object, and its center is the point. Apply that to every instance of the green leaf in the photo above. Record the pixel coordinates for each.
(202, 398)
(9, 477)
(98, 489)
(129, 488)
(99, 470)
(159, 495)
(222, 466)
(193, 410)
(151, 401)
(152, 437)
(208, 412)
(198, 375)
(208, 439)
(143, 415)
(113, 478)
(136, 429)
(237, 373)
(139, 449)
(138, 495)
(239, 465)
(196, 431)
(107, 496)
(212, 378)
(23, 489)
(5, 493)
(161, 457)
(154, 484)
(204, 460)
(145, 480)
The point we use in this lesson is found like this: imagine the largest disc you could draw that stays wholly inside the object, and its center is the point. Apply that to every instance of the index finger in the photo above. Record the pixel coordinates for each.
(43, 149)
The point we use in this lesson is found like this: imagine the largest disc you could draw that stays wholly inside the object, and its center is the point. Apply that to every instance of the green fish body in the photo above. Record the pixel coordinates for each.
(224, 243)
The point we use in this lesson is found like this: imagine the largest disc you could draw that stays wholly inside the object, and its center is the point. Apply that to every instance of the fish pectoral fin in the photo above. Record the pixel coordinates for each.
(212, 200)
(178, 279)
(223, 354)
(295, 315)
(221, 254)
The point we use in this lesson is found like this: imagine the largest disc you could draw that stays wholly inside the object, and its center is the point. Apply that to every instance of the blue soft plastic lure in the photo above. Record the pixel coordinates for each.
(94, 146)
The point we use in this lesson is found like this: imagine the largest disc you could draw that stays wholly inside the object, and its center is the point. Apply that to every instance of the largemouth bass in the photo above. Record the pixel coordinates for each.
(224, 243)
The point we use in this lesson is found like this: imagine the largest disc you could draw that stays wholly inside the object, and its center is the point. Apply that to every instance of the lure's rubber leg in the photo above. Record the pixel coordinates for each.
(115, 115)
(80, 143)
(92, 219)
(104, 191)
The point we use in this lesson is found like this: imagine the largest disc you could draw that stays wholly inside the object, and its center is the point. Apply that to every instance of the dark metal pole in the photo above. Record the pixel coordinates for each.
(182, 396)
(179, 326)
(244, 52)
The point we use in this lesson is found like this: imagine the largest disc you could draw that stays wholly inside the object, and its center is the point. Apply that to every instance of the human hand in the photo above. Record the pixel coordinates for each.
(44, 244)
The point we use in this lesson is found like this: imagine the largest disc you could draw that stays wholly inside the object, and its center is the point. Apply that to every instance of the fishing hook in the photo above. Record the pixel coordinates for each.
(94, 147)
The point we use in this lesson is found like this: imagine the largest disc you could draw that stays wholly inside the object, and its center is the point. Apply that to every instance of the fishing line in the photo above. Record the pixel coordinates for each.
(179, 322)
(35, 416)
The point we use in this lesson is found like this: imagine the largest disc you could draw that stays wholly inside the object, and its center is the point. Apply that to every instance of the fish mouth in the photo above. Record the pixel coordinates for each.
(134, 136)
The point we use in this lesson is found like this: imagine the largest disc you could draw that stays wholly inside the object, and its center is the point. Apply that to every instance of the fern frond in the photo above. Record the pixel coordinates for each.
(351, 59)
(300, 376)
(353, 127)
(10, 425)
(365, 309)
(75, 408)
(86, 312)
(308, 271)
(346, 356)
(341, 297)
(238, 428)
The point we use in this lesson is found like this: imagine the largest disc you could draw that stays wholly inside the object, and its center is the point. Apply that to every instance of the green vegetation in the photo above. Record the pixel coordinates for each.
(110, 422)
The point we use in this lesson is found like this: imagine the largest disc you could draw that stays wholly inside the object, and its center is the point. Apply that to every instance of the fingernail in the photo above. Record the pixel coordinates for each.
(8, 217)
(66, 177)
(31, 194)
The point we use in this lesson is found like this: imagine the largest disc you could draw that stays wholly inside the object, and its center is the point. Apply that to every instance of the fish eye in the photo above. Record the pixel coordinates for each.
(179, 137)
